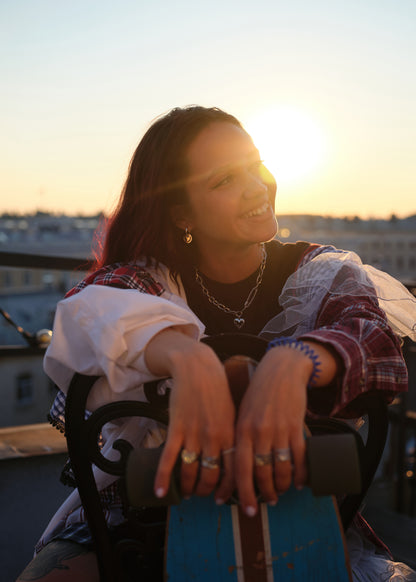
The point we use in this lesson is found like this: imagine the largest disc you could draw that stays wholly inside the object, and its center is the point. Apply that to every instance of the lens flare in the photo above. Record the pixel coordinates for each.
(290, 142)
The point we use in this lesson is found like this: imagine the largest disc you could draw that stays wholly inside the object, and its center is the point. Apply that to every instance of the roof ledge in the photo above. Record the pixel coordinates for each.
(30, 440)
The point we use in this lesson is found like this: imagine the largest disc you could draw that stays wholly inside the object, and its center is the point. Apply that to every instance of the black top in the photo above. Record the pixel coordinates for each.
(282, 261)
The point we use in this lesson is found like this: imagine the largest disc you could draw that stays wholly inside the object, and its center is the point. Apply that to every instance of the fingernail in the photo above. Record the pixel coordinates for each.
(273, 502)
(186, 497)
(219, 501)
(160, 492)
(250, 511)
(299, 487)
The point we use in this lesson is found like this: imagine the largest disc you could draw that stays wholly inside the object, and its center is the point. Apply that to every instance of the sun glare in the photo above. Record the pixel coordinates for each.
(290, 142)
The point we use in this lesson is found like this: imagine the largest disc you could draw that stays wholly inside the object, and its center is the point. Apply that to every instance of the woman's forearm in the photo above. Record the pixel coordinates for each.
(168, 348)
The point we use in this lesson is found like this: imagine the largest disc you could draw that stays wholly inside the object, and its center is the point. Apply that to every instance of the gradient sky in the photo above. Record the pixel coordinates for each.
(332, 81)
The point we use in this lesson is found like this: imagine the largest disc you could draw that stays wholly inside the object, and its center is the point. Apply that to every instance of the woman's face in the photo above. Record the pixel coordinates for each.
(231, 194)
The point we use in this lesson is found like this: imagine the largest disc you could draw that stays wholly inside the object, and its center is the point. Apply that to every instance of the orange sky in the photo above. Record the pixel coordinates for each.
(332, 82)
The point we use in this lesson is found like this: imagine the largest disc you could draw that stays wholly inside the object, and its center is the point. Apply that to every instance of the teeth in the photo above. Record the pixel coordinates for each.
(258, 211)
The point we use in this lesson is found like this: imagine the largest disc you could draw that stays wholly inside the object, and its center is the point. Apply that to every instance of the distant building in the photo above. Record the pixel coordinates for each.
(389, 245)
(26, 391)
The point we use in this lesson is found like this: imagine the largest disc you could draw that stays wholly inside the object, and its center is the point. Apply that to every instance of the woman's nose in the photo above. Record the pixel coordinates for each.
(254, 187)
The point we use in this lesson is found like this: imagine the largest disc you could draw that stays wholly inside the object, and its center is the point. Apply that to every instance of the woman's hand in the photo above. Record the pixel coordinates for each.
(271, 417)
(201, 413)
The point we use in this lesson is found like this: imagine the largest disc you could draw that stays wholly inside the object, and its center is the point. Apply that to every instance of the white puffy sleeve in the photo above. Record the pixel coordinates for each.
(104, 331)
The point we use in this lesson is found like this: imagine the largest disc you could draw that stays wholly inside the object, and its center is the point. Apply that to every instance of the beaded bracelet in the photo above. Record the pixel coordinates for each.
(291, 342)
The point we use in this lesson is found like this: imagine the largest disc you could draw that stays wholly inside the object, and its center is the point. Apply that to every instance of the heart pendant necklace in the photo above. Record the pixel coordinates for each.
(239, 320)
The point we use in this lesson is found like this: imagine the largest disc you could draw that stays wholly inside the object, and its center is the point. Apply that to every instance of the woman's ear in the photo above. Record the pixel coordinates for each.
(180, 216)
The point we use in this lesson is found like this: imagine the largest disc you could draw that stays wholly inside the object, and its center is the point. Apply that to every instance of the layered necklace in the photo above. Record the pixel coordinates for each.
(239, 320)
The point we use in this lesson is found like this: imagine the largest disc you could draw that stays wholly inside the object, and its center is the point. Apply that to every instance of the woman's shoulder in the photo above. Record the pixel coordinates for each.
(122, 276)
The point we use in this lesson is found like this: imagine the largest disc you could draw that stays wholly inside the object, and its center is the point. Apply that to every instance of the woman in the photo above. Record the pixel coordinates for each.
(194, 234)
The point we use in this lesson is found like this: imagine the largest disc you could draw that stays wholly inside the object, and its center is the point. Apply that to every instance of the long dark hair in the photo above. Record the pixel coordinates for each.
(141, 226)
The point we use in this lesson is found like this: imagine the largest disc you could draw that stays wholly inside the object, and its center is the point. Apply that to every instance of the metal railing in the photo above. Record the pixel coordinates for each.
(50, 262)
(36, 261)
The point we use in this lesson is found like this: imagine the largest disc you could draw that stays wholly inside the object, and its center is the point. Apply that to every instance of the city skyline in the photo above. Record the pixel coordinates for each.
(324, 88)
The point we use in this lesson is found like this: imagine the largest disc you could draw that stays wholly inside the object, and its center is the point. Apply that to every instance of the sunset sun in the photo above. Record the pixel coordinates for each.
(290, 142)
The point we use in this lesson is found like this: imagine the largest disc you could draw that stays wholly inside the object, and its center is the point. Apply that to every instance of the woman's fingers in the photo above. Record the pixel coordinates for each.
(190, 457)
(227, 479)
(166, 463)
(263, 475)
(210, 466)
(244, 475)
(263, 462)
(273, 471)
(298, 454)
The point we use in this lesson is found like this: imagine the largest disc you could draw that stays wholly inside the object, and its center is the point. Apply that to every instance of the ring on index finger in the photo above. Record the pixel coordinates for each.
(210, 462)
(188, 457)
(261, 460)
(282, 455)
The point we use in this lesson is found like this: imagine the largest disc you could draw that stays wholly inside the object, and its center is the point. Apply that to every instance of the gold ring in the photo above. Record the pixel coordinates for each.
(210, 462)
(188, 457)
(282, 455)
(261, 460)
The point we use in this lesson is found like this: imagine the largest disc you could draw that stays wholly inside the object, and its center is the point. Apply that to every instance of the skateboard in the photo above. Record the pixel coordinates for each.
(299, 539)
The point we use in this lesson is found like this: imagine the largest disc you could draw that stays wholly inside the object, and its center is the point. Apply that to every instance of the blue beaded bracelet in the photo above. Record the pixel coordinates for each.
(296, 344)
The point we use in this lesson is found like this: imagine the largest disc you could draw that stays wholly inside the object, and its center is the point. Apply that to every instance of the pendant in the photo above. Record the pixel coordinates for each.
(239, 322)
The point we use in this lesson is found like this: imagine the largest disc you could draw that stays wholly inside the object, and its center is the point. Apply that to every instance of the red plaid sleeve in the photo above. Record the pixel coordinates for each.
(369, 352)
(123, 276)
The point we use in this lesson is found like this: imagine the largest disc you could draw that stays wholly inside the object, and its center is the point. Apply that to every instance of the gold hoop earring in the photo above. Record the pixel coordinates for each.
(187, 237)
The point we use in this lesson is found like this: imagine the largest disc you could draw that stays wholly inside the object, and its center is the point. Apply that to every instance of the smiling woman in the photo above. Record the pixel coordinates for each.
(291, 143)
(189, 252)
(230, 206)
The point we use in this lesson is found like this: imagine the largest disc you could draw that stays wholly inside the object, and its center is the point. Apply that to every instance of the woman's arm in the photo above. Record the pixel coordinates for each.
(201, 412)
(359, 353)
(368, 352)
(104, 331)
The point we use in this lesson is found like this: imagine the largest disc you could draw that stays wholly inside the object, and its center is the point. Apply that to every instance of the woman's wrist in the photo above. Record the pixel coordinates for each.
(304, 349)
(167, 349)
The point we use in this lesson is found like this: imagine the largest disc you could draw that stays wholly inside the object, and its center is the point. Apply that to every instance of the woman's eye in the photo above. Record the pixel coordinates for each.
(225, 180)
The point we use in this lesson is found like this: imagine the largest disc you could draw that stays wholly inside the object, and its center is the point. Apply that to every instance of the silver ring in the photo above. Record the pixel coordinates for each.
(261, 460)
(188, 457)
(282, 455)
(210, 462)
(228, 451)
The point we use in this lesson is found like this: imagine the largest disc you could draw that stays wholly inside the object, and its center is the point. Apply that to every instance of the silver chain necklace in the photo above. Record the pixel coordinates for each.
(239, 320)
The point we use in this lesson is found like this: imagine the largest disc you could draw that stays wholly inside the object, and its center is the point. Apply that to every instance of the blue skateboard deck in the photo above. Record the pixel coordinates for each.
(298, 540)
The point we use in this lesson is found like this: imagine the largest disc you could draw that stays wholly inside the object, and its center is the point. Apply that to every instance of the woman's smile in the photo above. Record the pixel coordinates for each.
(259, 211)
